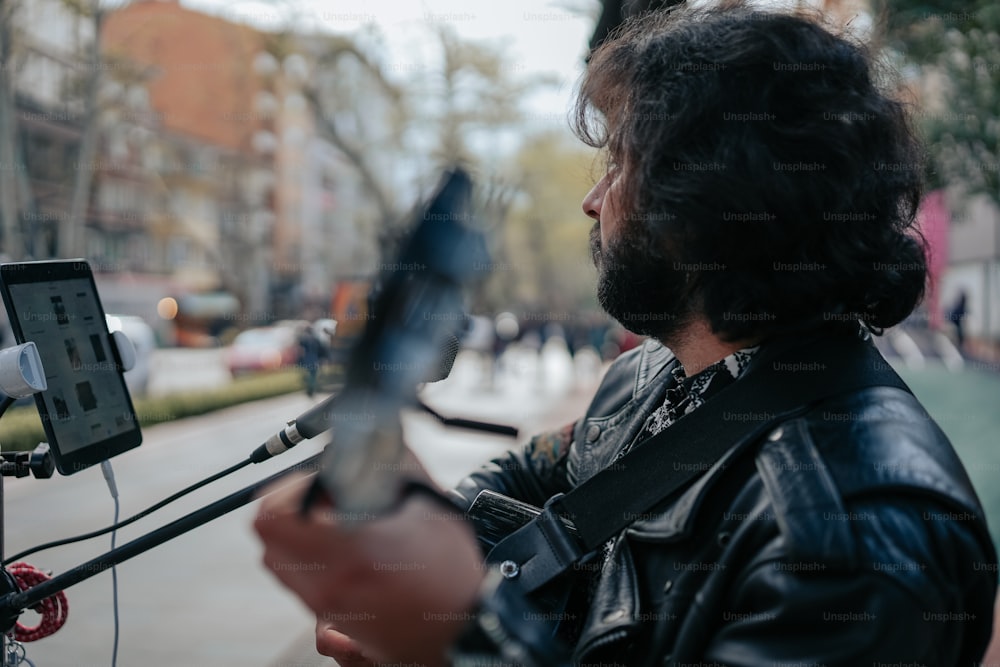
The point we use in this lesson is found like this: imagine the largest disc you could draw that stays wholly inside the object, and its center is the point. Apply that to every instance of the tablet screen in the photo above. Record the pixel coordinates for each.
(86, 410)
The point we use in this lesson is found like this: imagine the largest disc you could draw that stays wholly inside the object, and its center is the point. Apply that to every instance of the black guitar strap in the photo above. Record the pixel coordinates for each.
(783, 381)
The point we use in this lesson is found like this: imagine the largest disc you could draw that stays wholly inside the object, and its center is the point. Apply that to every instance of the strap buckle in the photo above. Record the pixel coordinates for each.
(540, 550)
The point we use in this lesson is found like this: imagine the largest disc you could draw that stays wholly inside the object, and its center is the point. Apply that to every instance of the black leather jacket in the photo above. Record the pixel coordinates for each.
(850, 536)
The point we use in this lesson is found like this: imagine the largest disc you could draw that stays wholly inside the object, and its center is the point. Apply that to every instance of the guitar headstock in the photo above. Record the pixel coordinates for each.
(420, 305)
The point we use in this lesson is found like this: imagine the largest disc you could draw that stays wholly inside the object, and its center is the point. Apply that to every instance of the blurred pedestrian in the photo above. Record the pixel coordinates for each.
(310, 352)
(957, 315)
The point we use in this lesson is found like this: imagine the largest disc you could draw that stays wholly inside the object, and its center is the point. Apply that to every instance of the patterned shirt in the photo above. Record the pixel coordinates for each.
(687, 394)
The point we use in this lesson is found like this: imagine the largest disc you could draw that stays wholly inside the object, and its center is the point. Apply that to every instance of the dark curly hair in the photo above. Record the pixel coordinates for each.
(761, 144)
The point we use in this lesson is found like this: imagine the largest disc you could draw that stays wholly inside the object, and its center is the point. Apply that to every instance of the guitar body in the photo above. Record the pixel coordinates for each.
(496, 516)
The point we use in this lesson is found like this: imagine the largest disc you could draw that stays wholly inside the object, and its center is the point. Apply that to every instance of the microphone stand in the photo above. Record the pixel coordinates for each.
(17, 464)
(14, 601)
(7, 585)
(471, 424)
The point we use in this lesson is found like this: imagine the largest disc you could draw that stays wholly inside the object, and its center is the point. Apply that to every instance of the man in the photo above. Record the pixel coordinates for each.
(757, 213)
(310, 353)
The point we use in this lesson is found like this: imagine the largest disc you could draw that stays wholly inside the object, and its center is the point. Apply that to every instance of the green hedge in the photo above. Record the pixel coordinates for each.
(21, 428)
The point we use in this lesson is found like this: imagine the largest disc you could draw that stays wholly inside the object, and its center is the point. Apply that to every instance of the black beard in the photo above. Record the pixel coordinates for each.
(638, 285)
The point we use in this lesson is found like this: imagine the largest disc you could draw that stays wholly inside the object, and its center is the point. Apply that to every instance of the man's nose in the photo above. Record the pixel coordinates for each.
(594, 200)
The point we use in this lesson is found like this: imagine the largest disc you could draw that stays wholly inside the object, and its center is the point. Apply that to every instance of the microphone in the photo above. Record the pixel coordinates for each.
(446, 358)
(318, 419)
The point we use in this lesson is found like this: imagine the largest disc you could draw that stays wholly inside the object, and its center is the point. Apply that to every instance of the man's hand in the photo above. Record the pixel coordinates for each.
(401, 586)
(332, 642)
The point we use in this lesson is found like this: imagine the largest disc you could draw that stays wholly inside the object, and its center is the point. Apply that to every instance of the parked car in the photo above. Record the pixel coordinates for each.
(263, 349)
(144, 341)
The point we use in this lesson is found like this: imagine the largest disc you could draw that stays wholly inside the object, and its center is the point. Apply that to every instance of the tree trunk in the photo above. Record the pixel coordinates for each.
(30, 233)
(72, 227)
(12, 242)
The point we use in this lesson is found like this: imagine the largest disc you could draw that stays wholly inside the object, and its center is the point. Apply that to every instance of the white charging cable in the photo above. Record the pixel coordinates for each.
(109, 477)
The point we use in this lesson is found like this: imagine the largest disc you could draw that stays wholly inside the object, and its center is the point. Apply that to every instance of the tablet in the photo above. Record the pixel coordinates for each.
(86, 411)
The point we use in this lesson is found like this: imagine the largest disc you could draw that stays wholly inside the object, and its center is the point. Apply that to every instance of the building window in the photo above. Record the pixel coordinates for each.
(177, 252)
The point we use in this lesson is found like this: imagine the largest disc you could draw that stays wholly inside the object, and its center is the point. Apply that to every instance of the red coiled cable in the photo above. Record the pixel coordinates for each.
(54, 609)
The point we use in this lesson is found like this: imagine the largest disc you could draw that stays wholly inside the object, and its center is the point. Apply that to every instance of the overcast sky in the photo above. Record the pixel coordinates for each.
(536, 36)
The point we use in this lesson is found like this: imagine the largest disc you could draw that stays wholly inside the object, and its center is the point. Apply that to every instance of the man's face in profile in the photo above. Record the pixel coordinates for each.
(638, 282)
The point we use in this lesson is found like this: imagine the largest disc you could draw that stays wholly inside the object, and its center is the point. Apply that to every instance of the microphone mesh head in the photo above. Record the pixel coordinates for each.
(449, 345)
